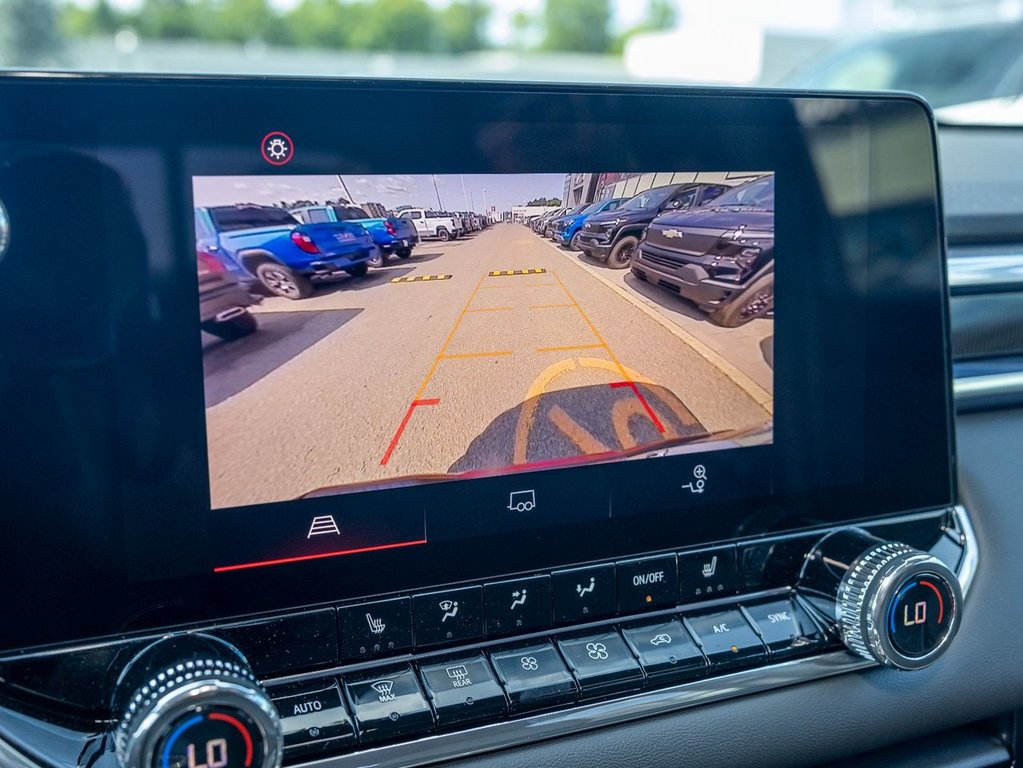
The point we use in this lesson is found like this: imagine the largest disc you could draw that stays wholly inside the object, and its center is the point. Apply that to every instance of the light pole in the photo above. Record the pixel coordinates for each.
(437, 191)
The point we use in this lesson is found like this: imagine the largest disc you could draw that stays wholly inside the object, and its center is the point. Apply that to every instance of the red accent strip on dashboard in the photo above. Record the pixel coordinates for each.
(317, 556)
(244, 731)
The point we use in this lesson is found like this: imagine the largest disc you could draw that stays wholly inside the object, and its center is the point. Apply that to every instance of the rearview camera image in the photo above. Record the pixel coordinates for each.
(364, 332)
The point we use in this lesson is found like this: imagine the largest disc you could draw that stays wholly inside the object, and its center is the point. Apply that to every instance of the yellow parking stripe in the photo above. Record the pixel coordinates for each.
(514, 272)
(570, 348)
(468, 355)
(419, 278)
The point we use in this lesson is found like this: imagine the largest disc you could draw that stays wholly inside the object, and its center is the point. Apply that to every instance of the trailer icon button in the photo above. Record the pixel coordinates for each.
(522, 501)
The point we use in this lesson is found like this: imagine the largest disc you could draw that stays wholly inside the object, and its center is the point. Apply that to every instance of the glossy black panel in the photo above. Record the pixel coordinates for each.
(103, 465)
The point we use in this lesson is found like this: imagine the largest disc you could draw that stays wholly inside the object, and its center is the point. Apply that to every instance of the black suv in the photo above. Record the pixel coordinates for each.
(721, 257)
(613, 236)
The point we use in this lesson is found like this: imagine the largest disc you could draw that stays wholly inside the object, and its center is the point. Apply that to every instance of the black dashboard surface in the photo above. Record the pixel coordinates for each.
(980, 676)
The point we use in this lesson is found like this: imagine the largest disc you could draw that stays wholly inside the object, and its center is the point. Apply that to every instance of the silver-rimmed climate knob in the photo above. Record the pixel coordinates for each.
(190, 701)
(892, 603)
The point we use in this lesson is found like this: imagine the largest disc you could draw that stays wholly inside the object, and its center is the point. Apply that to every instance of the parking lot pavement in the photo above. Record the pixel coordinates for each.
(509, 354)
(749, 348)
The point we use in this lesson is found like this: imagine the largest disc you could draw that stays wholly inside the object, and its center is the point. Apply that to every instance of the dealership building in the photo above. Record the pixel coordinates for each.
(588, 187)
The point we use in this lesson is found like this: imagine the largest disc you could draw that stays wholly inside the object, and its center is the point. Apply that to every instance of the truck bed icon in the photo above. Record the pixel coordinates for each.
(522, 501)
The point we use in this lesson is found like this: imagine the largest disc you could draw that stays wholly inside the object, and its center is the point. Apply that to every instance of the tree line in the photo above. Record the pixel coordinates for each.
(584, 26)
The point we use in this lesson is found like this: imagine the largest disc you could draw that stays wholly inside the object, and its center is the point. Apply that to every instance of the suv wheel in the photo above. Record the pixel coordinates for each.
(573, 244)
(378, 259)
(235, 328)
(755, 301)
(359, 270)
(621, 254)
(443, 234)
(281, 281)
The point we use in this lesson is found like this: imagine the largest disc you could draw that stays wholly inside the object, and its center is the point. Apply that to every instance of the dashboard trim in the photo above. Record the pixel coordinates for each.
(464, 743)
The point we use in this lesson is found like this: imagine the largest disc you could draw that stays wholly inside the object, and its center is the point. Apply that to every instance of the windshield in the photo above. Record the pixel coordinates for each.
(950, 52)
(230, 218)
(757, 194)
(649, 199)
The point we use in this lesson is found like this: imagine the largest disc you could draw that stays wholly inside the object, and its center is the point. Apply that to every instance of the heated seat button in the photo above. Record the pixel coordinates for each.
(582, 594)
(665, 650)
(519, 605)
(651, 582)
(726, 638)
(389, 705)
(463, 690)
(535, 677)
(786, 629)
(602, 663)
(450, 616)
(707, 574)
(373, 629)
(314, 718)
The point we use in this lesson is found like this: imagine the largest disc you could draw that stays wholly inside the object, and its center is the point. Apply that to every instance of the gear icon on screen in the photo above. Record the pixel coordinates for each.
(277, 148)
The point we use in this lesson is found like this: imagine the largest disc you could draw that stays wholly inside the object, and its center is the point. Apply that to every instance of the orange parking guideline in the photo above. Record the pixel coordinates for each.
(490, 309)
(467, 355)
(593, 329)
(570, 348)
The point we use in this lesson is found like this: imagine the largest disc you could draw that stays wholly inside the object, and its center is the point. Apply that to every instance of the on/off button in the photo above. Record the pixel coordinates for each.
(650, 582)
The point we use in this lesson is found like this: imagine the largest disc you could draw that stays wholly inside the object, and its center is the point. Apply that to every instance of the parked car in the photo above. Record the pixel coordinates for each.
(613, 236)
(548, 229)
(390, 235)
(286, 256)
(541, 222)
(567, 228)
(223, 300)
(721, 256)
(435, 224)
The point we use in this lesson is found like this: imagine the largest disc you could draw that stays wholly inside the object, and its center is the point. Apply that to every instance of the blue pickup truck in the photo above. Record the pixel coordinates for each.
(397, 236)
(286, 256)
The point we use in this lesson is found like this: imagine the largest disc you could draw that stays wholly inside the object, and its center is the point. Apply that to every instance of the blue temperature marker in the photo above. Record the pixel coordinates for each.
(165, 762)
(895, 603)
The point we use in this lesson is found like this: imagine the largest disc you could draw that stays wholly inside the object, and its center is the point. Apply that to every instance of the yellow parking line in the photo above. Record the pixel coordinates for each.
(570, 348)
(419, 278)
(593, 329)
(465, 355)
(491, 309)
(515, 272)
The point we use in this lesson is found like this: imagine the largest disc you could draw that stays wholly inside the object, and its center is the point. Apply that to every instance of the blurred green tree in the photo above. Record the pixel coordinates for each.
(100, 19)
(463, 26)
(238, 20)
(169, 19)
(394, 25)
(577, 26)
(661, 16)
(29, 33)
(318, 24)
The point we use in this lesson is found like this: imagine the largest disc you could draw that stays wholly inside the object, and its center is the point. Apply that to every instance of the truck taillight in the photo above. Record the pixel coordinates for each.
(390, 228)
(208, 263)
(303, 241)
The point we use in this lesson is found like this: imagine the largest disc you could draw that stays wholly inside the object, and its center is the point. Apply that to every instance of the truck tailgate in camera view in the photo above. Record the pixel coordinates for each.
(483, 347)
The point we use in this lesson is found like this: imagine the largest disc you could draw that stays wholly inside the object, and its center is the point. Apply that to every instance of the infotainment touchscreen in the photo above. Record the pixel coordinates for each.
(395, 341)
(265, 347)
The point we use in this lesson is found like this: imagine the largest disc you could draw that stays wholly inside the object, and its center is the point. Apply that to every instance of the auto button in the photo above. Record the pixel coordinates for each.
(313, 717)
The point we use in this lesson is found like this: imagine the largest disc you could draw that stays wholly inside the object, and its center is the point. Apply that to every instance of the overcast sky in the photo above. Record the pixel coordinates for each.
(500, 190)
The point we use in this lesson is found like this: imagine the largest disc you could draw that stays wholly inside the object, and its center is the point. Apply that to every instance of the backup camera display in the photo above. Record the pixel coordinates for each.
(363, 332)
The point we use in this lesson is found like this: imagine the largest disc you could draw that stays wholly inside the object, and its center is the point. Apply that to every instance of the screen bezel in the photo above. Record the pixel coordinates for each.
(905, 407)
